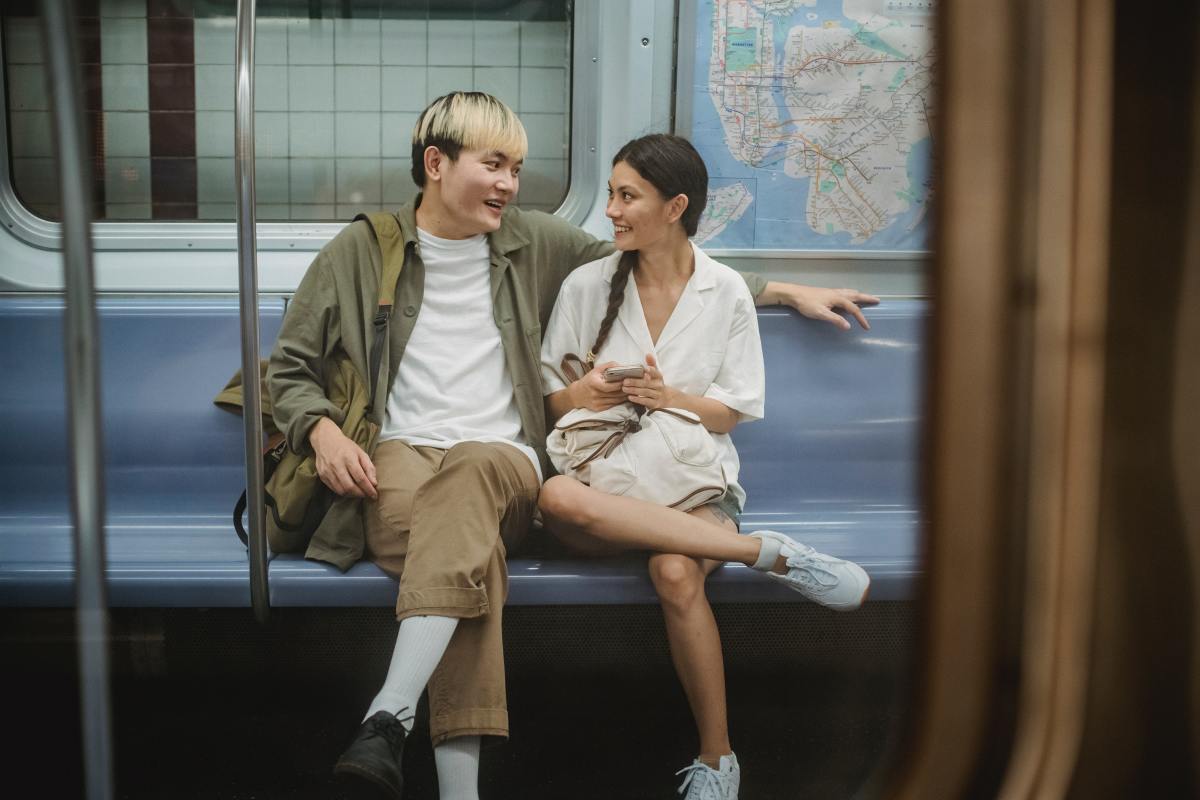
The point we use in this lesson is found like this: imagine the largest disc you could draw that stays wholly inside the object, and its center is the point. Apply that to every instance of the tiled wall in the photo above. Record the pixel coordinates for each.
(335, 99)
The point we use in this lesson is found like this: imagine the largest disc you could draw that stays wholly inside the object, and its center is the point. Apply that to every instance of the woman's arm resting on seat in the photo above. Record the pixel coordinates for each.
(817, 303)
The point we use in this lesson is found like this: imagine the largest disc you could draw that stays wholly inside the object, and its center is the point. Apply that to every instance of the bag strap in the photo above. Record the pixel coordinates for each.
(584, 366)
(386, 228)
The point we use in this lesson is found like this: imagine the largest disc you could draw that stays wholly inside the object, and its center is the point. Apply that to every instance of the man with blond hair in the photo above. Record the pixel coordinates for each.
(451, 485)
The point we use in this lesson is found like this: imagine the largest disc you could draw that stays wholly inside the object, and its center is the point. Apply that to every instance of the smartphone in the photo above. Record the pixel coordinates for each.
(623, 371)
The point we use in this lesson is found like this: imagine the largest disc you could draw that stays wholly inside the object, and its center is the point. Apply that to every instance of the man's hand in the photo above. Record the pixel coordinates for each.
(341, 464)
(649, 390)
(817, 303)
(593, 392)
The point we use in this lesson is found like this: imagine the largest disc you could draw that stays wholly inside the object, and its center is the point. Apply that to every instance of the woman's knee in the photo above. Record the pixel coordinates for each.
(678, 580)
(562, 498)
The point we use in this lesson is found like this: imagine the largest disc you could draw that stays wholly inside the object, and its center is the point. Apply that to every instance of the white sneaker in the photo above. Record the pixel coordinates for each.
(702, 782)
(833, 582)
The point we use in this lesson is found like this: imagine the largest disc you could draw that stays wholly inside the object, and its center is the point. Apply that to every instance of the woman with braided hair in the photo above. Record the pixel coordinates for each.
(660, 301)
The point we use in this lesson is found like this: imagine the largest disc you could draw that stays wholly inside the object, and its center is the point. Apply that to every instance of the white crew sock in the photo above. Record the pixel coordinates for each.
(420, 644)
(457, 763)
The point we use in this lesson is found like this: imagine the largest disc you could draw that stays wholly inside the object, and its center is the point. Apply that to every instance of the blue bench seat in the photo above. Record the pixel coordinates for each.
(834, 464)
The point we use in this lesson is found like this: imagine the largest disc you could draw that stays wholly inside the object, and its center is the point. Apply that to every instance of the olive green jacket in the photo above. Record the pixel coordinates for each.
(332, 310)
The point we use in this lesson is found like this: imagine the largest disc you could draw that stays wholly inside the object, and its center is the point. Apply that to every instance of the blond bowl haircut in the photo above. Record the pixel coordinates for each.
(466, 121)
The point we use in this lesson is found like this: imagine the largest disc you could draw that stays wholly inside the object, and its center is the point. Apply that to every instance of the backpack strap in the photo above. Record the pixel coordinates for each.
(391, 247)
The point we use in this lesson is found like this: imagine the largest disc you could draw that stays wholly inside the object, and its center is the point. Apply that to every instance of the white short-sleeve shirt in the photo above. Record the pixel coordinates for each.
(709, 347)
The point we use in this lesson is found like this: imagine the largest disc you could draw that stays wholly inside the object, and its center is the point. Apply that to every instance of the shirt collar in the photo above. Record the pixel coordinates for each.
(704, 277)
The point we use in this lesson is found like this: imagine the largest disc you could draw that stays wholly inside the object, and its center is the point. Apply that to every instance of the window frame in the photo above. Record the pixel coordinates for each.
(305, 236)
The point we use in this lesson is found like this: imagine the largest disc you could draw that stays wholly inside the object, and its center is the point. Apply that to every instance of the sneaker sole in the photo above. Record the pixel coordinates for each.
(362, 784)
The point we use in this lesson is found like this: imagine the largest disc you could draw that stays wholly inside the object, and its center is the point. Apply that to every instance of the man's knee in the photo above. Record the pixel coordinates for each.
(564, 499)
(678, 580)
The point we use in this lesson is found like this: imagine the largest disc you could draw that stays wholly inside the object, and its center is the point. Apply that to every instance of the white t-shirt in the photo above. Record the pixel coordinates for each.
(709, 347)
(453, 384)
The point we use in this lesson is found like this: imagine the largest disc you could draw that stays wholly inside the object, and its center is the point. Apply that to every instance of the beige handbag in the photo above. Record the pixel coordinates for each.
(665, 456)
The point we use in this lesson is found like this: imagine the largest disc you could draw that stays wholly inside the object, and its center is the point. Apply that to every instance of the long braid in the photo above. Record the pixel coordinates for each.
(616, 295)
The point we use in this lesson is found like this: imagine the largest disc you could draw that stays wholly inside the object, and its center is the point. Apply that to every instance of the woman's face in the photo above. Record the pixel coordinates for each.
(640, 215)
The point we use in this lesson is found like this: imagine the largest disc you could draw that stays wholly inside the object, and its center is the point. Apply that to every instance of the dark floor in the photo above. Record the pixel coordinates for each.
(209, 705)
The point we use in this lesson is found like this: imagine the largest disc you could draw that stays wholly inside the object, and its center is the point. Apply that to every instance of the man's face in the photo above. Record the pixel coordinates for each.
(474, 189)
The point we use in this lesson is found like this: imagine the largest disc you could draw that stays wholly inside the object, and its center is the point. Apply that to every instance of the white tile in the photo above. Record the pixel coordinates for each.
(547, 135)
(27, 88)
(270, 88)
(502, 82)
(311, 180)
(310, 41)
(23, 41)
(214, 180)
(123, 8)
(127, 133)
(450, 42)
(310, 88)
(404, 89)
(125, 87)
(215, 87)
(271, 179)
(127, 180)
(358, 182)
(123, 41)
(397, 134)
(348, 211)
(543, 182)
(273, 212)
(214, 133)
(214, 40)
(311, 135)
(127, 211)
(356, 41)
(271, 134)
(216, 211)
(32, 135)
(544, 89)
(544, 44)
(443, 80)
(398, 186)
(306, 211)
(357, 134)
(497, 43)
(270, 41)
(356, 88)
(403, 41)
(35, 180)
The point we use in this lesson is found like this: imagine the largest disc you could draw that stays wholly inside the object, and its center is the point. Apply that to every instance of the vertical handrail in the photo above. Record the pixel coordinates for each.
(81, 344)
(243, 165)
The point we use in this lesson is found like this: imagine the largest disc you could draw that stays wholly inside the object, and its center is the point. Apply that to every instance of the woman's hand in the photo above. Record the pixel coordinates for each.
(342, 465)
(649, 390)
(819, 304)
(594, 393)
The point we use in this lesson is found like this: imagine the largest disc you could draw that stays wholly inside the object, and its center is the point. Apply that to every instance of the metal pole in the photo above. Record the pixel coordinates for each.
(243, 134)
(81, 343)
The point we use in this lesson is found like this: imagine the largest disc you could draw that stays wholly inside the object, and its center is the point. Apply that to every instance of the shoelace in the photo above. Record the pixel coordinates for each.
(394, 730)
(701, 782)
(810, 569)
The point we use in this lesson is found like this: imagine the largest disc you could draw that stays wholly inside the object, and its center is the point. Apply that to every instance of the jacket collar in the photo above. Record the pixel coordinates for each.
(509, 237)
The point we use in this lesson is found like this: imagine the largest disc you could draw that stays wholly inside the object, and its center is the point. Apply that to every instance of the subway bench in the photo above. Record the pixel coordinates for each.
(834, 464)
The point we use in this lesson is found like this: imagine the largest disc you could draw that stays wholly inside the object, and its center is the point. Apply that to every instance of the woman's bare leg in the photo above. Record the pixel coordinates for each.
(695, 641)
(630, 524)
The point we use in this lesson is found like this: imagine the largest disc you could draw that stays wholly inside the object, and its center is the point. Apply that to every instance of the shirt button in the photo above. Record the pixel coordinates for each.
(410, 311)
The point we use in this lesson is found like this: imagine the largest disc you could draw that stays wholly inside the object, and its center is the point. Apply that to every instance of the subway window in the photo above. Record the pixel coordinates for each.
(338, 88)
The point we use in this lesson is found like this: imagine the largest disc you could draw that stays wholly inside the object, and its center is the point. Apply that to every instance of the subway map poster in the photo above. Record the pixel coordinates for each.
(814, 118)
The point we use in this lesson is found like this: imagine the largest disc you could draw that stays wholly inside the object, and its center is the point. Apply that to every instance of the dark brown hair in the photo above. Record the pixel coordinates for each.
(673, 167)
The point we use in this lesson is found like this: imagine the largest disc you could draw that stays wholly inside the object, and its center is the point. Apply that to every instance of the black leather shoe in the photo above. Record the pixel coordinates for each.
(372, 761)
